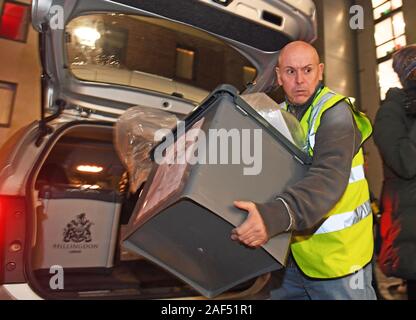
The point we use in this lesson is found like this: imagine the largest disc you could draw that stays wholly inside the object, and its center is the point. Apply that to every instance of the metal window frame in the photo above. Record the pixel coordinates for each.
(376, 21)
(11, 107)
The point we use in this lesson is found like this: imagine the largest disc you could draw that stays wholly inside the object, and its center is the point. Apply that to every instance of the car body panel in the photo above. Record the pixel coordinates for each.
(87, 101)
(254, 10)
(21, 291)
(62, 85)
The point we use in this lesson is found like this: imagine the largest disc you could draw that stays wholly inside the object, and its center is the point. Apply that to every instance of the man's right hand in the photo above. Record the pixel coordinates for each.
(252, 232)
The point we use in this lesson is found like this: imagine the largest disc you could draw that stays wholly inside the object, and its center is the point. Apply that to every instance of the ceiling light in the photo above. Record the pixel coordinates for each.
(89, 168)
(87, 36)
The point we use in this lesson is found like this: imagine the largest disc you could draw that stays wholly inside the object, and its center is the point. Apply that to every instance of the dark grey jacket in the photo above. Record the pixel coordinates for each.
(395, 136)
(337, 141)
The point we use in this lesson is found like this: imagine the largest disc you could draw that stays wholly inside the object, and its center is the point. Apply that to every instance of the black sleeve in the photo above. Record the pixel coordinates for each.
(309, 200)
(396, 143)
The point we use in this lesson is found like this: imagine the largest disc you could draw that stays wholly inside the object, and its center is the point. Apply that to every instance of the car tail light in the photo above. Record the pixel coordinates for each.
(12, 239)
(1, 241)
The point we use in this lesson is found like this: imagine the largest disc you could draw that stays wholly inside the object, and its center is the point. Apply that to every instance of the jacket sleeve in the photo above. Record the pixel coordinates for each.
(396, 143)
(309, 200)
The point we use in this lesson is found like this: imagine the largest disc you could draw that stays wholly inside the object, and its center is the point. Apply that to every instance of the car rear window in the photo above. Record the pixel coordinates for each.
(153, 54)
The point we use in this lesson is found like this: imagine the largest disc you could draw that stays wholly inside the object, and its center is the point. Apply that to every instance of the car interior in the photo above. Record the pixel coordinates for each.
(83, 206)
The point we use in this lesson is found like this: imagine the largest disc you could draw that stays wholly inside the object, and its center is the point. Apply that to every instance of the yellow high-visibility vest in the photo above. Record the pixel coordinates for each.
(343, 242)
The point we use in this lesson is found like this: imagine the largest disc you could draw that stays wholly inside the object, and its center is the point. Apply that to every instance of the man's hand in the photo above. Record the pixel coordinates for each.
(252, 232)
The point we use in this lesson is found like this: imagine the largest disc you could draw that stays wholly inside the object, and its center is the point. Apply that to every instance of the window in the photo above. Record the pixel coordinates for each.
(154, 55)
(7, 95)
(389, 37)
(387, 77)
(14, 21)
(383, 7)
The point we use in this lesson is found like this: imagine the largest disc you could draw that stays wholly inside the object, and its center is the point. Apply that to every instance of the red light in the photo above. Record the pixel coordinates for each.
(2, 262)
(2, 209)
(14, 21)
(12, 238)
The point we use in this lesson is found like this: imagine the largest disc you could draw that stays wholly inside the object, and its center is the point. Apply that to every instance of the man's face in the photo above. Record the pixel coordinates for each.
(299, 73)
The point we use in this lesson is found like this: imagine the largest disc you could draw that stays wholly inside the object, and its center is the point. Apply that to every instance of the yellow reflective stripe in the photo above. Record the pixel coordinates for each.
(357, 174)
(315, 112)
(329, 102)
(344, 220)
(312, 140)
(331, 255)
(358, 159)
(355, 194)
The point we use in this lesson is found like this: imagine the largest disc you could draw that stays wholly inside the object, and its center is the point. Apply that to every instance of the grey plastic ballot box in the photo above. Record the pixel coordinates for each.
(185, 214)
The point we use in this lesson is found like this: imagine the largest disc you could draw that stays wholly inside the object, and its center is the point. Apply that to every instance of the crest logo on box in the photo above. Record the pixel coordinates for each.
(78, 230)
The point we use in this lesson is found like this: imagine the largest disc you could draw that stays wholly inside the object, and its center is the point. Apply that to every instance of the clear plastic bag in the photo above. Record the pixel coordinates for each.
(286, 123)
(134, 138)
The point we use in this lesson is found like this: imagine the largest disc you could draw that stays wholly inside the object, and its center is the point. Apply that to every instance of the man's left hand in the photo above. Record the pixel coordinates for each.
(252, 232)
